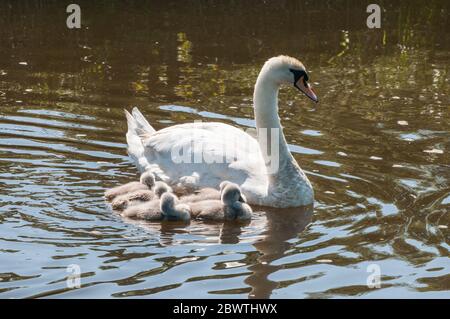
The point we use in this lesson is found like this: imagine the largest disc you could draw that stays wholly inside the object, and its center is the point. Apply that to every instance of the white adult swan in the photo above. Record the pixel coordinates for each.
(245, 160)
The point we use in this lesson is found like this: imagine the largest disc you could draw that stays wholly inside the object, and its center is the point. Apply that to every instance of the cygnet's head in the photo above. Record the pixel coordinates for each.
(228, 183)
(161, 188)
(223, 184)
(168, 201)
(148, 179)
(287, 70)
(231, 193)
(171, 210)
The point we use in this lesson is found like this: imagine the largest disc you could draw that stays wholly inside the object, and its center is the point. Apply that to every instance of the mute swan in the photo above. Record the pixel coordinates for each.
(267, 178)
(230, 207)
(146, 182)
(143, 195)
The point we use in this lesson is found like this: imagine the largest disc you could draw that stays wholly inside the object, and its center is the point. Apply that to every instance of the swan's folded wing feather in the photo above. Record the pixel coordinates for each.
(212, 151)
(213, 138)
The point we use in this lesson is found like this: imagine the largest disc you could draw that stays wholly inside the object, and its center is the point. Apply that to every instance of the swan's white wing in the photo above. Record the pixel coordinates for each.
(203, 154)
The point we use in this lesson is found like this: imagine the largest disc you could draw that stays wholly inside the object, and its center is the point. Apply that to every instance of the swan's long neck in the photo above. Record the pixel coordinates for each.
(289, 177)
(265, 101)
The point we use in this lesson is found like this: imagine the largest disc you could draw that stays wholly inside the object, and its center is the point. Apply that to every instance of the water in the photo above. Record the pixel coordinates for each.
(376, 148)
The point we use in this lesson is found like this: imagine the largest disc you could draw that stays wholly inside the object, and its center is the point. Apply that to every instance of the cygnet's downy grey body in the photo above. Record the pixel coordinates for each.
(147, 182)
(139, 196)
(206, 193)
(148, 210)
(164, 208)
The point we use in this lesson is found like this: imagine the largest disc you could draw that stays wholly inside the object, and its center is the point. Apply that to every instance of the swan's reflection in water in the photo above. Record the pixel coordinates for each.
(281, 226)
(270, 233)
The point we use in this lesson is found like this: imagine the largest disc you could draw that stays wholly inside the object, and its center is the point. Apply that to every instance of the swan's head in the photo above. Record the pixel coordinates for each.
(148, 179)
(287, 70)
(231, 194)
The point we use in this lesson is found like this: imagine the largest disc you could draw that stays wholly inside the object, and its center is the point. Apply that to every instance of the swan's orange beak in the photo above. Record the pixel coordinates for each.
(306, 89)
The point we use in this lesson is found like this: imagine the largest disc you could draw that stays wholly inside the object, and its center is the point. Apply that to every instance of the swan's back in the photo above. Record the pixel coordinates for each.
(196, 155)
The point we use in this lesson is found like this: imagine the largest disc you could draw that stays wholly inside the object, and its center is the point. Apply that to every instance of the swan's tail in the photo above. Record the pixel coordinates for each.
(138, 127)
(142, 127)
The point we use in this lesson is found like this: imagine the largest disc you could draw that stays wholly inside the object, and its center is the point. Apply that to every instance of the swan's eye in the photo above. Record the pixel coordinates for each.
(298, 74)
(305, 77)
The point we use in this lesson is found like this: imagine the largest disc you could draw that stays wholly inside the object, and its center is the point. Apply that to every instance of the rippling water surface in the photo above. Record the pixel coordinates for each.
(376, 148)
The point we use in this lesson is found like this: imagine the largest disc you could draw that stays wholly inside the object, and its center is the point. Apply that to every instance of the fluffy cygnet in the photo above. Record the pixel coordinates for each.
(206, 193)
(164, 208)
(231, 206)
(147, 181)
(172, 210)
(149, 210)
(123, 201)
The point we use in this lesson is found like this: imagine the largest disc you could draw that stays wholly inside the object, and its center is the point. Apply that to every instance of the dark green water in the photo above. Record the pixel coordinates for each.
(376, 147)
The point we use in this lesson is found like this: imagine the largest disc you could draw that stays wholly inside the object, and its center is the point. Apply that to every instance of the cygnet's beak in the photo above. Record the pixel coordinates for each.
(242, 198)
(304, 86)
